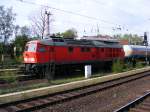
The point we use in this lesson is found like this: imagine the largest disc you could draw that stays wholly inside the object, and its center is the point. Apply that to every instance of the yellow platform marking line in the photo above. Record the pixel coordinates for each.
(6, 98)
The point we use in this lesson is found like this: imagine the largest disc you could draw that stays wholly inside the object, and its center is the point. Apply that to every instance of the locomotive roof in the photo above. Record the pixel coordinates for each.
(82, 42)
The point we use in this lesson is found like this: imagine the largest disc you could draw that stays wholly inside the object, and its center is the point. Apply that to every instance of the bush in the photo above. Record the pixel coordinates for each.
(117, 66)
(128, 66)
(139, 65)
(19, 59)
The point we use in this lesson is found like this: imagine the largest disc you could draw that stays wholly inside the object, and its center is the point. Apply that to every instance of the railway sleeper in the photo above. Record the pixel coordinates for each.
(31, 105)
(136, 110)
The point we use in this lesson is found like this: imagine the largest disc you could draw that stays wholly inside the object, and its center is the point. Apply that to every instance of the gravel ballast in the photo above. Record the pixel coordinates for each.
(104, 101)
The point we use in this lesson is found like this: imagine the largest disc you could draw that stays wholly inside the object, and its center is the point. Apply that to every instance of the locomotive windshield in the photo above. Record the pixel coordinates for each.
(30, 47)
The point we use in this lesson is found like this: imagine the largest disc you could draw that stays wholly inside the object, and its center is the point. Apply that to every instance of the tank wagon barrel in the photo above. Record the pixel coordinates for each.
(137, 52)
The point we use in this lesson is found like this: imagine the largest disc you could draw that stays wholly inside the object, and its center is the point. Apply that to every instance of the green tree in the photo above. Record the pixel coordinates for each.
(1, 50)
(1, 47)
(25, 31)
(7, 18)
(16, 30)
(132, 38)
(58, 34)
(20, 42)
(136, 40)
(22, 39)
(71, 33)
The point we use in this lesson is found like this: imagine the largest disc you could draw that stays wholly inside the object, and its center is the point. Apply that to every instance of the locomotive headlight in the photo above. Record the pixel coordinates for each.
(128, 50)
(32, 59)
(29, 59)
(25, 59)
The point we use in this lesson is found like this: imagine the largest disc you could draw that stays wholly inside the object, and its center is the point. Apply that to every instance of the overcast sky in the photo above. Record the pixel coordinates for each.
(133, 15)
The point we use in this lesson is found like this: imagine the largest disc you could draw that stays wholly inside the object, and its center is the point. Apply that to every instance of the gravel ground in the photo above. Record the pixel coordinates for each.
(104, 101)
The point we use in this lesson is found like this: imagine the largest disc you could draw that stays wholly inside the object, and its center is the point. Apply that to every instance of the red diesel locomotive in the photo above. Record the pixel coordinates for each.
(44, 56)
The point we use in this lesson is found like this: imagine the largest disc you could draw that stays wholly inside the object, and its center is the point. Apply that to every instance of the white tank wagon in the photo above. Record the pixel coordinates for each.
(136, 51)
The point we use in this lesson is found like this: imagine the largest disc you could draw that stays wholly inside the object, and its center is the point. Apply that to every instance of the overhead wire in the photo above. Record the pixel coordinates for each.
(69, 12)
(124, 27)
(117, 26)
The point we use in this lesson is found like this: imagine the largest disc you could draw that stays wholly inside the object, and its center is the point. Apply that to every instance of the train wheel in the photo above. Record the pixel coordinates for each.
(27, 68)
(47, 72)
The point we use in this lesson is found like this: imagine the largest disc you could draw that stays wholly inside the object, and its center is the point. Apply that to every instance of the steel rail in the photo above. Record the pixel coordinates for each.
(44, 101)
(132, 104)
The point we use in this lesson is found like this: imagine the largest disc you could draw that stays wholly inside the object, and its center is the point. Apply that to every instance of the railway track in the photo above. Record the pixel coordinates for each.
(11, 66)
(19, 78)
(19, 69)
(17, 73)
(141, 104)
(44, 101)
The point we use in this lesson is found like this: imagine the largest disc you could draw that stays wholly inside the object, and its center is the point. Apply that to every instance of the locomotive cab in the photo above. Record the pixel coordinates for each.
(30, 53)
(35, 55)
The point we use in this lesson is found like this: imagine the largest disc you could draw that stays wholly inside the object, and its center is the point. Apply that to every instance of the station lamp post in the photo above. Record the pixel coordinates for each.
(146, 44)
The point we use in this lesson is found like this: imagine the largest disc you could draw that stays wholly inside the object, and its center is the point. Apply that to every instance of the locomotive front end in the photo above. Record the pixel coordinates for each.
(36, 57)
(29, 54)
(30, 57)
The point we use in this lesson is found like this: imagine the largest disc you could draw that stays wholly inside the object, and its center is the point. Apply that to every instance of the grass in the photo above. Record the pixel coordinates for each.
(8, 76)
(66, 80)
(9, 62)
(117, 66)
(20, 87)
(140, 65)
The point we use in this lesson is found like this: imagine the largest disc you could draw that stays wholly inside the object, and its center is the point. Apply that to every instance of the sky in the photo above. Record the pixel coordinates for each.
(133, 16)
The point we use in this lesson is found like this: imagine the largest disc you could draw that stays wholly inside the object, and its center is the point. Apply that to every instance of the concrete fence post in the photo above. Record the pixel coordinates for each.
(88, 71)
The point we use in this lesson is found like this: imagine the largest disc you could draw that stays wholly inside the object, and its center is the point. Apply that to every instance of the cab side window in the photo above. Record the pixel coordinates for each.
(82, 49)
(70, 49)
(85, 49)
(42, 49)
